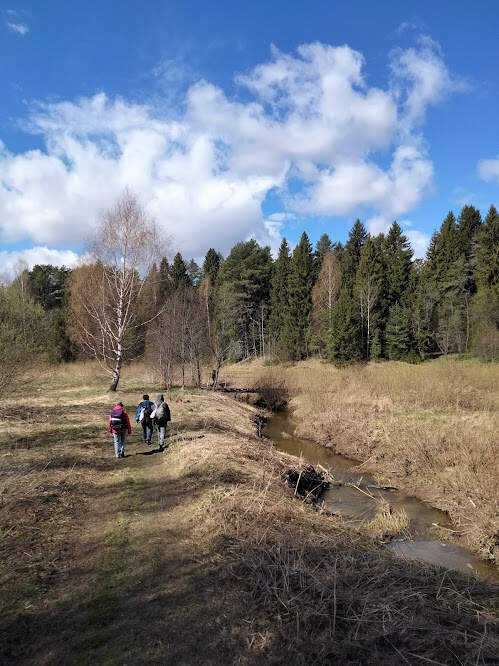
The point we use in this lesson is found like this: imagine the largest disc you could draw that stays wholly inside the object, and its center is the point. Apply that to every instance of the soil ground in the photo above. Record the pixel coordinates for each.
(198, 554)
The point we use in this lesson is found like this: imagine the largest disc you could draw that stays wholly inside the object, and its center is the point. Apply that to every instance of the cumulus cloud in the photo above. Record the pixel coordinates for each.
(489, 169)
(311, 119)
(421, 78)
(13, 262)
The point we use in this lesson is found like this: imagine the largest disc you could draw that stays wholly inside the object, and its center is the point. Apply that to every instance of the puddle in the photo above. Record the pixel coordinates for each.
(443, 554)
(355, 504)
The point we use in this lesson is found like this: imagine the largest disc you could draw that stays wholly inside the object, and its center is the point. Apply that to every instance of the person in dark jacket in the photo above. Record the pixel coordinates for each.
(118, 425)
(145, 409)
(161, 418)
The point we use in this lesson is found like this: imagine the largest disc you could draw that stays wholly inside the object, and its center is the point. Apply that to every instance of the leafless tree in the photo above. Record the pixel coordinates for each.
(178, 337)
(105, 294)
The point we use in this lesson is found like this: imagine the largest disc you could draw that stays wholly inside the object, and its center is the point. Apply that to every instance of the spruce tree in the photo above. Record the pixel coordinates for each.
(300, 284)
(165, 283)
(322, 247)
(178, 273)
(211, 264)
(485, 310)
(424, 310)
(444, 250)
(398, 333)
(279, 294)
(468, 225)
(345, 341)
(487, 252)
(351, 254)
(377, 345)
(398, 258)
(194, 272)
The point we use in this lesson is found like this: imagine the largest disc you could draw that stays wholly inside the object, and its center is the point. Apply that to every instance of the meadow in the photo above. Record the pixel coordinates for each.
(199, 553)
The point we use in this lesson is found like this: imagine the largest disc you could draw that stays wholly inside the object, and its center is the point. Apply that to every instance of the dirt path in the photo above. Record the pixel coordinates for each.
(99, 561)
(141, 588)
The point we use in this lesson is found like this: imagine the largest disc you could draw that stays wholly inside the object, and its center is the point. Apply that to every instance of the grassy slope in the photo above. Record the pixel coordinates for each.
(197, 555)
(431, 429)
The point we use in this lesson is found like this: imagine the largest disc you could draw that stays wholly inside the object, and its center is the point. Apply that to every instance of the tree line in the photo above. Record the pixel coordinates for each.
(367, 299)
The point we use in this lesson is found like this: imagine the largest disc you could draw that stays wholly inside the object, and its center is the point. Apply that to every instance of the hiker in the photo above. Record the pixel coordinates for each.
(119, 424)
(143, 416)
(214, 377)
(161, 417)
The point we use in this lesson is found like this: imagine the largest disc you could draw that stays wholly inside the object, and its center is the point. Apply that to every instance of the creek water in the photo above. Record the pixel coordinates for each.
(355, 498)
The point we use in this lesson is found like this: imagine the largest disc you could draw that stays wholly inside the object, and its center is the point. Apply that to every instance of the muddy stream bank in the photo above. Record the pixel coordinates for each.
(356, 498)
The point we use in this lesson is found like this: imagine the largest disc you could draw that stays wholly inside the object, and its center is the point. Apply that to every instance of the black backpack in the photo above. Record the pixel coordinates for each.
(146, 418)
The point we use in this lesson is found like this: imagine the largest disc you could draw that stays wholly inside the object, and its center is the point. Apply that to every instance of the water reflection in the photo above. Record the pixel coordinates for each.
(356, 504)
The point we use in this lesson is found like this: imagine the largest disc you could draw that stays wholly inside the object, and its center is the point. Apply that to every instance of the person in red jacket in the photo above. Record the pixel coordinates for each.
(119, 424)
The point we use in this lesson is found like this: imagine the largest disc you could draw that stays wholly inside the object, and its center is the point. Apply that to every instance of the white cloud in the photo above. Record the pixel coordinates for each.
(312, 119)
(419, 242)
(489, 169)
(421, 78)
(11, 262)
(14, 21)
(20, 28)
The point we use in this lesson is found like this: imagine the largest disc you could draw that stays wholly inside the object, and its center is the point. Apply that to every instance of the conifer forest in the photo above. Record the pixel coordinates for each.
(366, 299)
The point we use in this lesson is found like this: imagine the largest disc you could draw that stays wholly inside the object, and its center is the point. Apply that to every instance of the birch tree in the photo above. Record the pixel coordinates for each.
(105, 294)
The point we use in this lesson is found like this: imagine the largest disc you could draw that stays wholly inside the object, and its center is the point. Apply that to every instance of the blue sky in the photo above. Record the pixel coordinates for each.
(233, 119)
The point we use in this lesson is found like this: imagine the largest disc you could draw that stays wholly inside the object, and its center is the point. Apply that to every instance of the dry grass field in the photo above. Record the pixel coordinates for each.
(432, 429)
(199, 554)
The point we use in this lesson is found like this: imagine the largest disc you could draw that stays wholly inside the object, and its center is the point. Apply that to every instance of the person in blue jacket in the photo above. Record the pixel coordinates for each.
(143, 415)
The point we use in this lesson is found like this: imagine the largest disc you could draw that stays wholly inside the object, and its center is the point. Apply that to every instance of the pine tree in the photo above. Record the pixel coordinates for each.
(351, 254)
(300, 284)
(47, 285)
(398, 333)
(178, 273)
(245, 274)
(279, 294)
(345, 342)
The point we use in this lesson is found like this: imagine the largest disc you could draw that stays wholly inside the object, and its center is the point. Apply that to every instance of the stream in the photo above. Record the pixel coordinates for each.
(358, 504)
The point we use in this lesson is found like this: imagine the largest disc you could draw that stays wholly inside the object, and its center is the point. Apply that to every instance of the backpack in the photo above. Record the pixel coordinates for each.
(160, 412)
(145, 415)
(118, 420)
